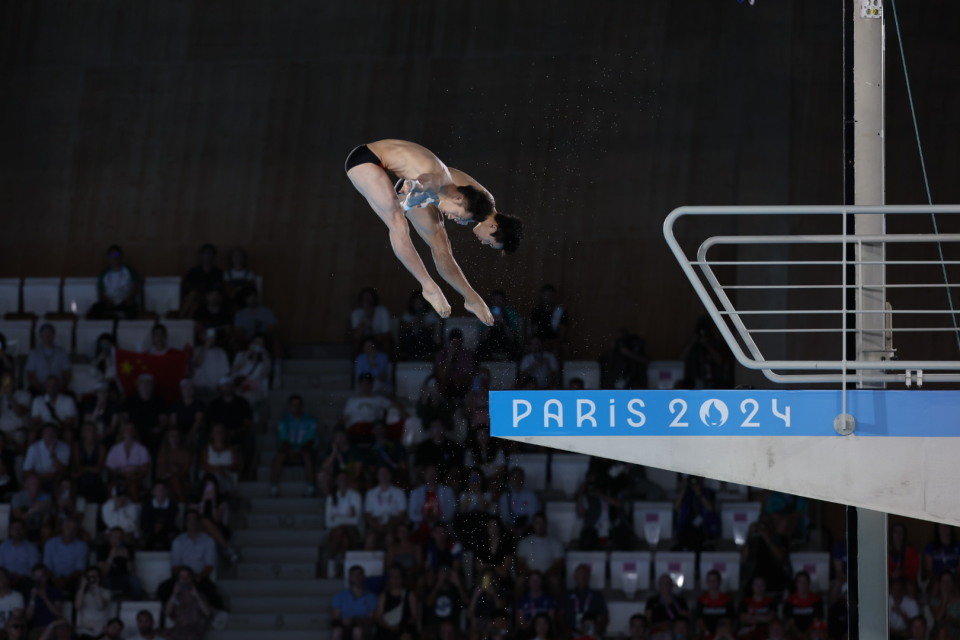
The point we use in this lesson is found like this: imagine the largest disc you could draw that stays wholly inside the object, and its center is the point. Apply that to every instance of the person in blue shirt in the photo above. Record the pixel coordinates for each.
(296, 435)
(352, 615)
(18, 555)
(66, 556)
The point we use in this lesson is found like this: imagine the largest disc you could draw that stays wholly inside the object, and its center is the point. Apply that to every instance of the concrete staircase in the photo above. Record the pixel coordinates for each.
(276, 590)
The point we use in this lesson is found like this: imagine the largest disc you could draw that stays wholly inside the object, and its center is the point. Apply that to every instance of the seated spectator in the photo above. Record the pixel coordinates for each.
(188, 413)
(16, 628)
(419, 330)
(706, 361)
(534, 601)
(696, 516)
(158, 344)
(105, 409)
(212, 506)
(364, 408)
(444, 602)
(757, 611)
(370, 319)
(713, 605)
(92, 605)
(254, 319)
(792, 510)
(234, 413)
(211, 364)
(119, 512)
(46, 360)
(902, 609)
(665, 607)
(66, 503)
(582, 600)
(118, 289)
(903, 561)
(238, 275)
(918, 628)
(540, 365)
(766, 553)
(402, 550)
(214, 313)
(351, 617)
(128, 461)
(502, 340)
(202, 277)
(221, 460)
(145, 627)
(8, 465)
(624, 365)
(175, 464)
(66, 557)
(187, 609)
(11, 601)
(540, 552)
(518, 505)
(638, 627)
(441, 550)
(32, 506)
(431, 502)
(384, 507)
(373, 361)
(475, 505)
(801, 607)
(55, 408)
(487, 454)
(251, 371)
(15, 405)
(158, 519)
(398, 610)
(147, 411)
(387, 452)
(487, 616)
(439, 451)
(344, 515)
(116, 561)
(496, 554)
(941, 554)
(477, 400)
(44, 601)
(194, 549)
(342, 458)
(296, 439)
(89, 456)
(454, 367)
(549, 321)
(431, 405)
(113, 631)
(18, 556)
(105, 359)
(587, 630)
(48, 458)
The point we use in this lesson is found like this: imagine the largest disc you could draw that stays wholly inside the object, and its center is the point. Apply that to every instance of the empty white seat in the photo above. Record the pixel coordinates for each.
(679, 565)
(128, 615)
(664, 374)
(619, 613)
(161, 295)
(409, 377)
(134, 335)
(470, 327)
(17, 333)
(153, 567)
(653, 521)
(4, 520)
(87, 332)
(9, 295)
(62, 333)
(586, 370)
(534, 467)
(817, 564)
(179, 333)
(562, 521)
(630, 571)
(726, 563)
(736, 518)
(502, 374)
(597, 560)
(41, 295)
(567, 471)
(79, 294)
(371, 561)
(666, 480)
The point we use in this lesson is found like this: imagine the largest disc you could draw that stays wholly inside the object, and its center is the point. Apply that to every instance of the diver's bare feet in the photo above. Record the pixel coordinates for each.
(479, 308)
(436, 299)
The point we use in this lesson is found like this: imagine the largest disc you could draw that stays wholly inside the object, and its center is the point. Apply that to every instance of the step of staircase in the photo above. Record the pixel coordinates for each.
(271, 604)
(271, 538)
(318, 366)
(280, 587)
(319, 351)
(319, 381)
(267, 505)
(279, 570)
(288, 490)
(255, 555)
(286, 521)
(279, 634)
(286, 621)
(288, 474)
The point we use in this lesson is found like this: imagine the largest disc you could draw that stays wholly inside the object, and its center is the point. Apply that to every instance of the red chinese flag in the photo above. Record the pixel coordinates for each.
(167, 371)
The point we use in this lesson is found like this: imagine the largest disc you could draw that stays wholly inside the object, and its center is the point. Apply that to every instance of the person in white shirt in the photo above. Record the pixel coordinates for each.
(252, 369)
(903, 609)
(54, 407)
(120, 512)
(344, 516)
(11, 601)
(540, 365)
(48, 457)
(540, 552)
(384, 507)
(210, 365)
(157, 344)
(47, 359)
(92, 605)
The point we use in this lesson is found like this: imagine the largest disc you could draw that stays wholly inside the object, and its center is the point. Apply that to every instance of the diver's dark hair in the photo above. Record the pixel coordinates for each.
(509, 232)
(478, 203)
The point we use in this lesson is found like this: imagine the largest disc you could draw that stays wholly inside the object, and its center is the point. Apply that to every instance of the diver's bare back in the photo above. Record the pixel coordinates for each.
(408, 160)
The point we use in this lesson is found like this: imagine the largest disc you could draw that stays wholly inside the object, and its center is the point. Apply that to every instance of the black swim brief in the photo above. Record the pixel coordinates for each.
(361, 155)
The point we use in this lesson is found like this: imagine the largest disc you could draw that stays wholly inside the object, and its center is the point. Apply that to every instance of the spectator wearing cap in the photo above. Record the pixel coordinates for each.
(234, 413)
(147, 411)
(54, 408)
(118, 289)
(364, 408)
(66, 556)
(129, 461)
(202, 277)
(45, 360)
(121, 513)
(296, 439)
(454, 366)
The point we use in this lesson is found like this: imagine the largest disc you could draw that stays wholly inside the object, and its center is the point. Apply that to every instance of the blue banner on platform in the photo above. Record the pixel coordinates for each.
(722, 413)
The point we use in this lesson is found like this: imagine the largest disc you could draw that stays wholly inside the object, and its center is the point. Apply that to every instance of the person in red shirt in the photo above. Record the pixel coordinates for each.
(757, 611)
(802, 606)
(713, 605)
